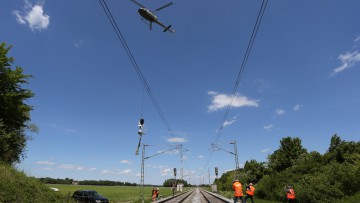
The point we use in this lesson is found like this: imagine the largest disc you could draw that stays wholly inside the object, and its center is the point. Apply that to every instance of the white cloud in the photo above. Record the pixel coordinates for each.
(165, 171)
(200, 156)
(176, 139)
(280, 111)
(106, 172)
(48, 169)
(347, 60)
(357, 39)
(156, 166)
(261, 85)
(229, 122)
(71, 167)
(92, 169)
(67, 130)
(78, 43)
(126, 162)
(212, 93)
(297, 107)
(126, 171)
(33, 16)
(268, 127)
(265, 150)
(45, 162)
(220, 101)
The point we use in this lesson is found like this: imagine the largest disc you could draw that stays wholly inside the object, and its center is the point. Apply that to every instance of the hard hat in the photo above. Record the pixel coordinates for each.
(250, 184)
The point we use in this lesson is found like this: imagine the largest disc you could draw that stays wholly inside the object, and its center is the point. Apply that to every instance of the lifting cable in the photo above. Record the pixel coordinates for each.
(134, 64)
(241, 71)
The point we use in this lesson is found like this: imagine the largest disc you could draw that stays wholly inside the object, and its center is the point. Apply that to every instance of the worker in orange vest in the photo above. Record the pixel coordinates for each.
(250, 191)
(290, 194)
(237, 191)
(154, 194)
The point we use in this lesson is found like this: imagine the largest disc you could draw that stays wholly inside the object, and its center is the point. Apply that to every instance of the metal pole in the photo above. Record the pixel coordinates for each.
(236, 159)
(181, 170)
(181, 161)
(209, 175)
(142, 174)
(236, 156)
(143, 170)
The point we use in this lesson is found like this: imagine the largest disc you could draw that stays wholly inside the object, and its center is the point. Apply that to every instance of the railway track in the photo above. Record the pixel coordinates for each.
(195, 196)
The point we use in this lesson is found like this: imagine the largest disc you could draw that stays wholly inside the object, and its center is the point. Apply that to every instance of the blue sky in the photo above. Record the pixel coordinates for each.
(301, 80)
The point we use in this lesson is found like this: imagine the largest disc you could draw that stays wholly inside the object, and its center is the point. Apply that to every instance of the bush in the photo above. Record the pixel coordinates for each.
(15, 186)
(316, 178)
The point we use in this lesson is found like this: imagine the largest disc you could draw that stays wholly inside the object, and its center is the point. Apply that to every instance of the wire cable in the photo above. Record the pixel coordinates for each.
(241, 71)
(134, 64)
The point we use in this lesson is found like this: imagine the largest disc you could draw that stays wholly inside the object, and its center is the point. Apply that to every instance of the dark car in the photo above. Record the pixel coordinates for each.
(89, 196)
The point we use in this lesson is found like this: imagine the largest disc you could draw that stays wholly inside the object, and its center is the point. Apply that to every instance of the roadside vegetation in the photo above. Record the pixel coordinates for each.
(330, 177)
(15, 186)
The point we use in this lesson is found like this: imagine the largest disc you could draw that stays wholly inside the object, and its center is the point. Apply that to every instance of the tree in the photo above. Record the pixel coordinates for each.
(14, 112)
(334, 143)
(171, 181)
(287, 155)
(255, 170)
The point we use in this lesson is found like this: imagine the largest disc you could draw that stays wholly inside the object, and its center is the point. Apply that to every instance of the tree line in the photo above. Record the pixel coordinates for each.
(48, 180)
(315, 177)
(170, 182)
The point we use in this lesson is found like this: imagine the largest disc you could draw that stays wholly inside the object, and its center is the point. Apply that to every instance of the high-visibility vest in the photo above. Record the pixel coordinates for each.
(291, 194)
(237, 189)
(251, 190)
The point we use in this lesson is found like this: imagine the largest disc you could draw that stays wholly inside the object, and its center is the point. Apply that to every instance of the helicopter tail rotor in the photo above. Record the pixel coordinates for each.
(168, 29)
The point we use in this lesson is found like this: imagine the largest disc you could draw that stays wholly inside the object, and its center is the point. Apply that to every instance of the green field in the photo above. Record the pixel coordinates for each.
(121, 194)
(115, 194)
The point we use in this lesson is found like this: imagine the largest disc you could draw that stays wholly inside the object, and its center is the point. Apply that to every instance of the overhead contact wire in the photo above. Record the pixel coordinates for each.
(241, 71)
(134, 63)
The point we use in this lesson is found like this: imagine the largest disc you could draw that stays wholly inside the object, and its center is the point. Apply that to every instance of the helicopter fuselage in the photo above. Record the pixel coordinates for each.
(147, 14)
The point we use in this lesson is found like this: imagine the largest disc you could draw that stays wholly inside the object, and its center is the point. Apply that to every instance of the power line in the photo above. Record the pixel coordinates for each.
(134, 64)
(241, 71)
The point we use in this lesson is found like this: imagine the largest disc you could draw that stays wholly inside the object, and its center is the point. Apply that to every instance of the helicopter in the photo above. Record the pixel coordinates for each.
(151, 17)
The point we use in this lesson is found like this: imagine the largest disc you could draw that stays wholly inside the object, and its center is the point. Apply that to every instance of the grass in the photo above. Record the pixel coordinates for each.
(122, 194)
(16, 186)
(115, 194)
(352, 199)
(229, 194)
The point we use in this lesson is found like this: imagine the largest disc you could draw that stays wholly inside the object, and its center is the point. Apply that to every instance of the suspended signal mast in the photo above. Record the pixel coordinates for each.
(141, 131)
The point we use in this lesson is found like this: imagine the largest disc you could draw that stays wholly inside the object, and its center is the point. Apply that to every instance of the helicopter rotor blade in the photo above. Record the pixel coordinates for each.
(138, 4)
(162, 7)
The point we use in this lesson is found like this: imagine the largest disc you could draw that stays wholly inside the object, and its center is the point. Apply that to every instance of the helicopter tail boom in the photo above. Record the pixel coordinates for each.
(168, 29)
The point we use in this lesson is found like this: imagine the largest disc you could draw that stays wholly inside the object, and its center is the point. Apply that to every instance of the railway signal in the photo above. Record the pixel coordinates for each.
(141, 131)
